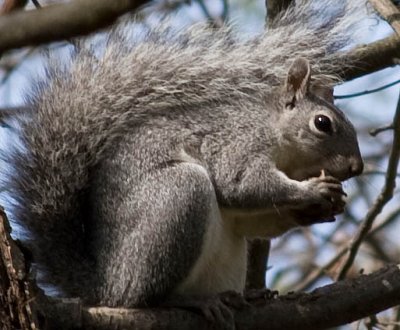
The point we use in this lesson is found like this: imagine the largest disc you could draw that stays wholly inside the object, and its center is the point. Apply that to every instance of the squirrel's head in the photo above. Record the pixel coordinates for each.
(315, 134)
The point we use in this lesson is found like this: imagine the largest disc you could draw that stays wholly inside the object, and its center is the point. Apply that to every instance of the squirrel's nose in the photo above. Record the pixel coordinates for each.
(356, 166)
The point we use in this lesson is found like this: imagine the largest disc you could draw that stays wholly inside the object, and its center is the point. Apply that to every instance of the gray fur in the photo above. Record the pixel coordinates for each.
(135, 162)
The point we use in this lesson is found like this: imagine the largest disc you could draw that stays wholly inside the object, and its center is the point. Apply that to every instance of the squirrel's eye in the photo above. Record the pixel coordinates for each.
(323, 123)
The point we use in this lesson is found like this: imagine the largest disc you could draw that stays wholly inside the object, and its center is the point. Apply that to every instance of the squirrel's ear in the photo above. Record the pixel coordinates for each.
(298, 78)
(324, 92)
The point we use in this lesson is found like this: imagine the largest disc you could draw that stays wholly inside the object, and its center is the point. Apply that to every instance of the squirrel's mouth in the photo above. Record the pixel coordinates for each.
(314, 173)
(307, 169)
(304, 222)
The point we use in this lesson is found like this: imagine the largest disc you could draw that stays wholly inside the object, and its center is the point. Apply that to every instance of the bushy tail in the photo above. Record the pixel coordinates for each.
(83, 110)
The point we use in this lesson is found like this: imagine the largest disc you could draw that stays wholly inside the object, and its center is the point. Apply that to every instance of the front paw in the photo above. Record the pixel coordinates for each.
(324, 198)
(217, 309)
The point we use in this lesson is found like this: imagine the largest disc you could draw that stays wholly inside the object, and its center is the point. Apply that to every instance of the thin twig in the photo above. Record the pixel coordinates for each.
(12, 68)
(376, 131)
(225, 10)
(389, 12)
(321, 271)
(338, 97)
(205, 10)
(383, 198)
(36, 4)
(215, 22)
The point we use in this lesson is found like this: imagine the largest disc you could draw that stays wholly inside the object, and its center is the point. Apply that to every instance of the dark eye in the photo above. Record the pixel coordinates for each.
(323, 123)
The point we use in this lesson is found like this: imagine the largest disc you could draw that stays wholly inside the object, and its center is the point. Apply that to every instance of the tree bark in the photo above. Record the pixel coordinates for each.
(60, 21)
(329, 306)
(258, 252)
(366, 59)
(17, 309)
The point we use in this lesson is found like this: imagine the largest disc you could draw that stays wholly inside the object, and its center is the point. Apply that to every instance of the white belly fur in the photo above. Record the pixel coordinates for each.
(223, 262)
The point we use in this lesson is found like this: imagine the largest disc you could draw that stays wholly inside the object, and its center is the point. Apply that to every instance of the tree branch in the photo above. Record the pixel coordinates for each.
(16, 306)
(377, 55)
(369, 58)
(362, 60)
(333, 305)
(385, 195)
(328, 306)
(258, 252)
(54, 23)
(60, 21)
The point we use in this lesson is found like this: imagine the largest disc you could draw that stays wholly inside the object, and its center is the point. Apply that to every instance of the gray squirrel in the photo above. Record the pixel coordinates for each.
(143, 171)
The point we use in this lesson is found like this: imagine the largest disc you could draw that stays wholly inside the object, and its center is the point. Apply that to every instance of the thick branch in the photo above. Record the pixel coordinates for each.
(326, 307)
(377, 55)
(60, 21)
(369, 58)
(258, 252)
